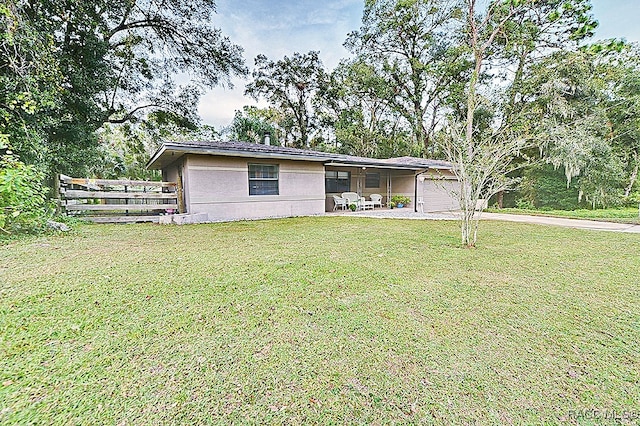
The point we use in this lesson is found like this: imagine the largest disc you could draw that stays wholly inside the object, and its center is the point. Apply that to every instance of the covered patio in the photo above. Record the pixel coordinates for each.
(405, 176)
(365, 181)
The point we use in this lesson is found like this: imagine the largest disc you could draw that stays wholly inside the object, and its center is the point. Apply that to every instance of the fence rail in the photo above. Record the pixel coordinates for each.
(119, 201)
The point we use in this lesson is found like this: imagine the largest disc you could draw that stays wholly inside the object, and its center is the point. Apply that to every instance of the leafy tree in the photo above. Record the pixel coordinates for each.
(414, 45)
(545, 187)
(588, 126)
(289, 85)
(622, 68)
(125, 148)
(252, 124)
(118, 61)
(29, 83)
(353, 102)
(530, 36)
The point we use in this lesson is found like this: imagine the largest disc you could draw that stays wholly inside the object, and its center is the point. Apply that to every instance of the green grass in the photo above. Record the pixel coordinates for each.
(622, 215)
(319, 320)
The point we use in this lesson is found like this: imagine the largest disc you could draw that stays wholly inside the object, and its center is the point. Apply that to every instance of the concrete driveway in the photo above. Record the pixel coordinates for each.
(539, 220)
(565, 222)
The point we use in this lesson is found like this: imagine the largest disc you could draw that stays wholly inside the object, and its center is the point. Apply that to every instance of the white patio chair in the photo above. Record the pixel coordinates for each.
(352, 198)
(376, 199)
(339, 202)
(366, 204)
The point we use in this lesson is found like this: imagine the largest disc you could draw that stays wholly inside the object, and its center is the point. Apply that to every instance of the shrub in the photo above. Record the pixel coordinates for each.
(544, 187)
(400, 199)
(23, 198)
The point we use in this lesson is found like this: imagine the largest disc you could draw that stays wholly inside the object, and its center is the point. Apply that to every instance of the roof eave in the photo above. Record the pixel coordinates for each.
(373, 165)
(155, 157)
(168, 147)
(253, 154)
(328, 159)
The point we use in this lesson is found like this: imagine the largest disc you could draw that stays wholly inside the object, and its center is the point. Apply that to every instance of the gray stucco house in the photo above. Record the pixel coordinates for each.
(238, 180)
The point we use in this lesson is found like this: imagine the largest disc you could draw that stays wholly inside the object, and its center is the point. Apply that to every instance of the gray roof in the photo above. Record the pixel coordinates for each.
(171, 151)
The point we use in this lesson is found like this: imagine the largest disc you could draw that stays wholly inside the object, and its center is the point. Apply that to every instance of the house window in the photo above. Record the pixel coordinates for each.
(263, 179)
(372, 180)
(335, 181)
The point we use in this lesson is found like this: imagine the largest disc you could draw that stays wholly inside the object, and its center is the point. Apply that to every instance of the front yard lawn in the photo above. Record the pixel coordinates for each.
(320, 320)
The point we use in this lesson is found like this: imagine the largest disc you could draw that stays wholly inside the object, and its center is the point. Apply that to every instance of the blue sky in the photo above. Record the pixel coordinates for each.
(281, 27)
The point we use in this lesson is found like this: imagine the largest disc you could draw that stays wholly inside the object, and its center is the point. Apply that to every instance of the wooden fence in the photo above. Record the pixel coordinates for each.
(119, 201)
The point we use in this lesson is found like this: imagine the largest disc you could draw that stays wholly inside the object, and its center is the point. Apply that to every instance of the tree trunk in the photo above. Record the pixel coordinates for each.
(469, 229)
(633, 177)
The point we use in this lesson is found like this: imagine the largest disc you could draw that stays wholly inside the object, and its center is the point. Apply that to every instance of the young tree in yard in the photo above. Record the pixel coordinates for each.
(484, 155)
(505, 40)
(482, 158)
(289, 85)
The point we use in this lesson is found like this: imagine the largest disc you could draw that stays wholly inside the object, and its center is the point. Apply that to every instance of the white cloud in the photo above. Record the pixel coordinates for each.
(218, 106)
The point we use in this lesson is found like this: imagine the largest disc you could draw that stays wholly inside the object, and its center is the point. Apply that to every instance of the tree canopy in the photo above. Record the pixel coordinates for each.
(112, 62)
(289, 85)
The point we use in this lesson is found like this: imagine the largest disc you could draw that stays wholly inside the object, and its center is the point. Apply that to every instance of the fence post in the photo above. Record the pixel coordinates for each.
(58, 194)
(179, 193)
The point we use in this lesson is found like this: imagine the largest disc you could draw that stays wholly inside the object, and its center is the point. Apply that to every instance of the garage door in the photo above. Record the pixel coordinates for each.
(437, 195)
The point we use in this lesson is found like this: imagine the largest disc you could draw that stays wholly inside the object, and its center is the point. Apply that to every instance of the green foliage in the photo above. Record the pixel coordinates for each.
(400, 199)
(23, 199)
(124, 149)
(353, 101)
(633, 200)
(614, 214)
(601, 184)
(414, 48)
(545, 187)
(252, 124)
(289, 85)
(588, 126)
(30, 87)
(70, 67)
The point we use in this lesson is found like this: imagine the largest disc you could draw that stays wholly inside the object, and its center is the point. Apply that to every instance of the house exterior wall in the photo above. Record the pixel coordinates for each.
(219, 186)
(403, 183)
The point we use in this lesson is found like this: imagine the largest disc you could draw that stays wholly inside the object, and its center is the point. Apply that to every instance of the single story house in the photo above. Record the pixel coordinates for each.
(239, 180)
